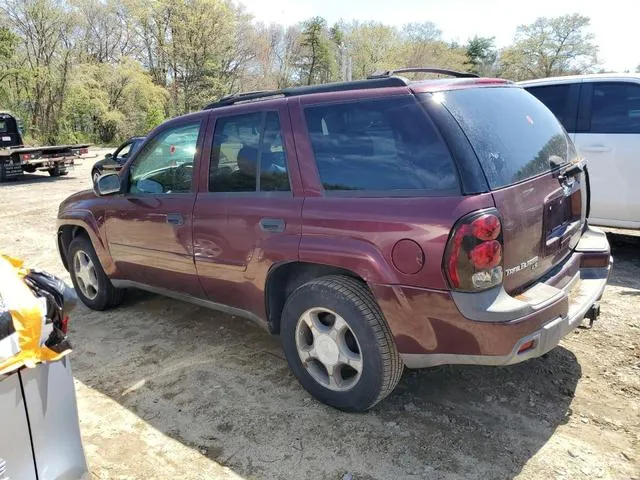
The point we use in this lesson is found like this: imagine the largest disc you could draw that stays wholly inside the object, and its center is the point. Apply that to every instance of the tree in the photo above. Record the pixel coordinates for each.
(422, 46)
(549, 47)
(372, 46)
(107, 103)
(482, 54)
(43, 59)
(106, 32)
(422, 32)
(316, 63)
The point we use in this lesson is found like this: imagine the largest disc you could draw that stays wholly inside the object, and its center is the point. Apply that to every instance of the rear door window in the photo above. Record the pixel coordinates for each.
(244, 145)
(615, 108)
(513, 134)
(560, 100)
(379, 145)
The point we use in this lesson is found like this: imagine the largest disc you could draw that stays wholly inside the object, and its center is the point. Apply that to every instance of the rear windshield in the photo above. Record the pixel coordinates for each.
(513, 134)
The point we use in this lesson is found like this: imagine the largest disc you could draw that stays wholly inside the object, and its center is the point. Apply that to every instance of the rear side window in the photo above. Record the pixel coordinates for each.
(513, 134)
(557, 98)
(615, 108)
(379, 145)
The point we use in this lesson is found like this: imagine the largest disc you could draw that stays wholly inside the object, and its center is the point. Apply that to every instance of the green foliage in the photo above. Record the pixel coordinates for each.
(423, 46)
(107, 102)
(8, 43)
(316, 63)
(549, 47)
(482, 54)
(373, 47)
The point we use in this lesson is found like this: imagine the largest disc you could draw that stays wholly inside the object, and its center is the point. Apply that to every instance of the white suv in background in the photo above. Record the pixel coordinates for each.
(601, 113)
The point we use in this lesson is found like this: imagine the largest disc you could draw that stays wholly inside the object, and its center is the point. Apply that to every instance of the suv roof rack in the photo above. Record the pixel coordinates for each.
(439, 71)
(378, 82)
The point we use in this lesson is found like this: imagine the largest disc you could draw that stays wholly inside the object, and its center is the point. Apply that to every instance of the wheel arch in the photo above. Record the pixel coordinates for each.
(83, 223)
(283, 279)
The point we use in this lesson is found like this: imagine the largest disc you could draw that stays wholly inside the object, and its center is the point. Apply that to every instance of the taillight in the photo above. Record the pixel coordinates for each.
(84, 151)
(25, 156)
(473, 259)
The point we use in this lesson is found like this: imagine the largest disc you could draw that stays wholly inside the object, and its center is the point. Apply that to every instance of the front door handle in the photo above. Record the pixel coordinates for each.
(272, 225)
(175, 219)
(596, 148)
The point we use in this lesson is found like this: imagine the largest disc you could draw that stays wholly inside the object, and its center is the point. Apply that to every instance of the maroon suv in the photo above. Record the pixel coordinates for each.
(372, 224)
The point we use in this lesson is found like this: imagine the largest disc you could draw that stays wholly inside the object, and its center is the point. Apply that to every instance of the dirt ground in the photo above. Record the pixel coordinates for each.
(169, 390)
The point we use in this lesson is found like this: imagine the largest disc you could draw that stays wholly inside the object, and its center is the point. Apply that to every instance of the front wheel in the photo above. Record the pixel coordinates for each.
(338, 344)
(95, 175)
(91, 283)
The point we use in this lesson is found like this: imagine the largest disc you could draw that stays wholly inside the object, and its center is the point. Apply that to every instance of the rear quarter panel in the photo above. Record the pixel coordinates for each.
(359, 234)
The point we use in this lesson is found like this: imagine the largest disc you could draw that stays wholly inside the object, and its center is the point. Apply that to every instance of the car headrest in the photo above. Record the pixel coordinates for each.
(248, 160)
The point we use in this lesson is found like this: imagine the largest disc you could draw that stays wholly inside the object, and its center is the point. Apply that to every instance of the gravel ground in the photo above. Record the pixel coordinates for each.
(169, 390)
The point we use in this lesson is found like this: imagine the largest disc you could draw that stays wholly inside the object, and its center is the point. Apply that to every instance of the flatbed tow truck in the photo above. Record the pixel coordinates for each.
(16, 159)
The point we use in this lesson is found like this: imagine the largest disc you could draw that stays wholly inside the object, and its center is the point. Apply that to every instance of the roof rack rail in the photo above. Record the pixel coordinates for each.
(439, 71)
(378, 82)
(243, 97)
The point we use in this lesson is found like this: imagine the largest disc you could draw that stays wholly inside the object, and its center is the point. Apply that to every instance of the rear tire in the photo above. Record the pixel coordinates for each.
(89, 280)
(364, 353)
(54, 172)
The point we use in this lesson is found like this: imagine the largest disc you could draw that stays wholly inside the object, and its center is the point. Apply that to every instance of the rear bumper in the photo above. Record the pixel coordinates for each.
(491, 328)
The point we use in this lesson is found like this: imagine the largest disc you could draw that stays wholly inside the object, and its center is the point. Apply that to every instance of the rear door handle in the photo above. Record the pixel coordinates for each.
(596, 148)
(272, 225)
(175, 219)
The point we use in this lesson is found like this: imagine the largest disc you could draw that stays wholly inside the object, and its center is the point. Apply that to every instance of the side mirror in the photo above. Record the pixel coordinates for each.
(108, 156)
(108, 184)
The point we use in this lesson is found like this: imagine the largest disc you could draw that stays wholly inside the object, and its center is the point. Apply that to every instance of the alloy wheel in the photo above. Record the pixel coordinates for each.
(329, 349)
(85, 273)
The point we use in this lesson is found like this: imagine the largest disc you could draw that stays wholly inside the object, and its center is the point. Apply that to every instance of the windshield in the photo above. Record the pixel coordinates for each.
(513, 134)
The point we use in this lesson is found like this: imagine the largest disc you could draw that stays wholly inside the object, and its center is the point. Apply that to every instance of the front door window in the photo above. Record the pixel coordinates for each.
(165, 166)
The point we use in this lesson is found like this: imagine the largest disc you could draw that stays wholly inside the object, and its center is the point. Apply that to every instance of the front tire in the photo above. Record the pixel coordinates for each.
(338, 344)
(95, 175)
(89, 280)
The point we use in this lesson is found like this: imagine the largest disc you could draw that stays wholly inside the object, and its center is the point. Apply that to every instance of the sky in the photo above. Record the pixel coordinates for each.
(614, 22)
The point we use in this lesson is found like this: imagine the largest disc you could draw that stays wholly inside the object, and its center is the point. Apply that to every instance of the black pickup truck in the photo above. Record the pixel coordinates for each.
(15, 158)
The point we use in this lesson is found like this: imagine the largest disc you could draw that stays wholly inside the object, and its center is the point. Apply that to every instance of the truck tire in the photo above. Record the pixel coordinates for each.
(338, 344)
(55, 171)
(89, 280)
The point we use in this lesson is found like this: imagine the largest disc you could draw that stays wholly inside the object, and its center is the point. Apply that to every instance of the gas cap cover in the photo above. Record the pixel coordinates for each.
(407, 257)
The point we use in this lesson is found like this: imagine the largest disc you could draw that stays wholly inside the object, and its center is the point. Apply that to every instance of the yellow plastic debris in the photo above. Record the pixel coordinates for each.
(28, 315)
